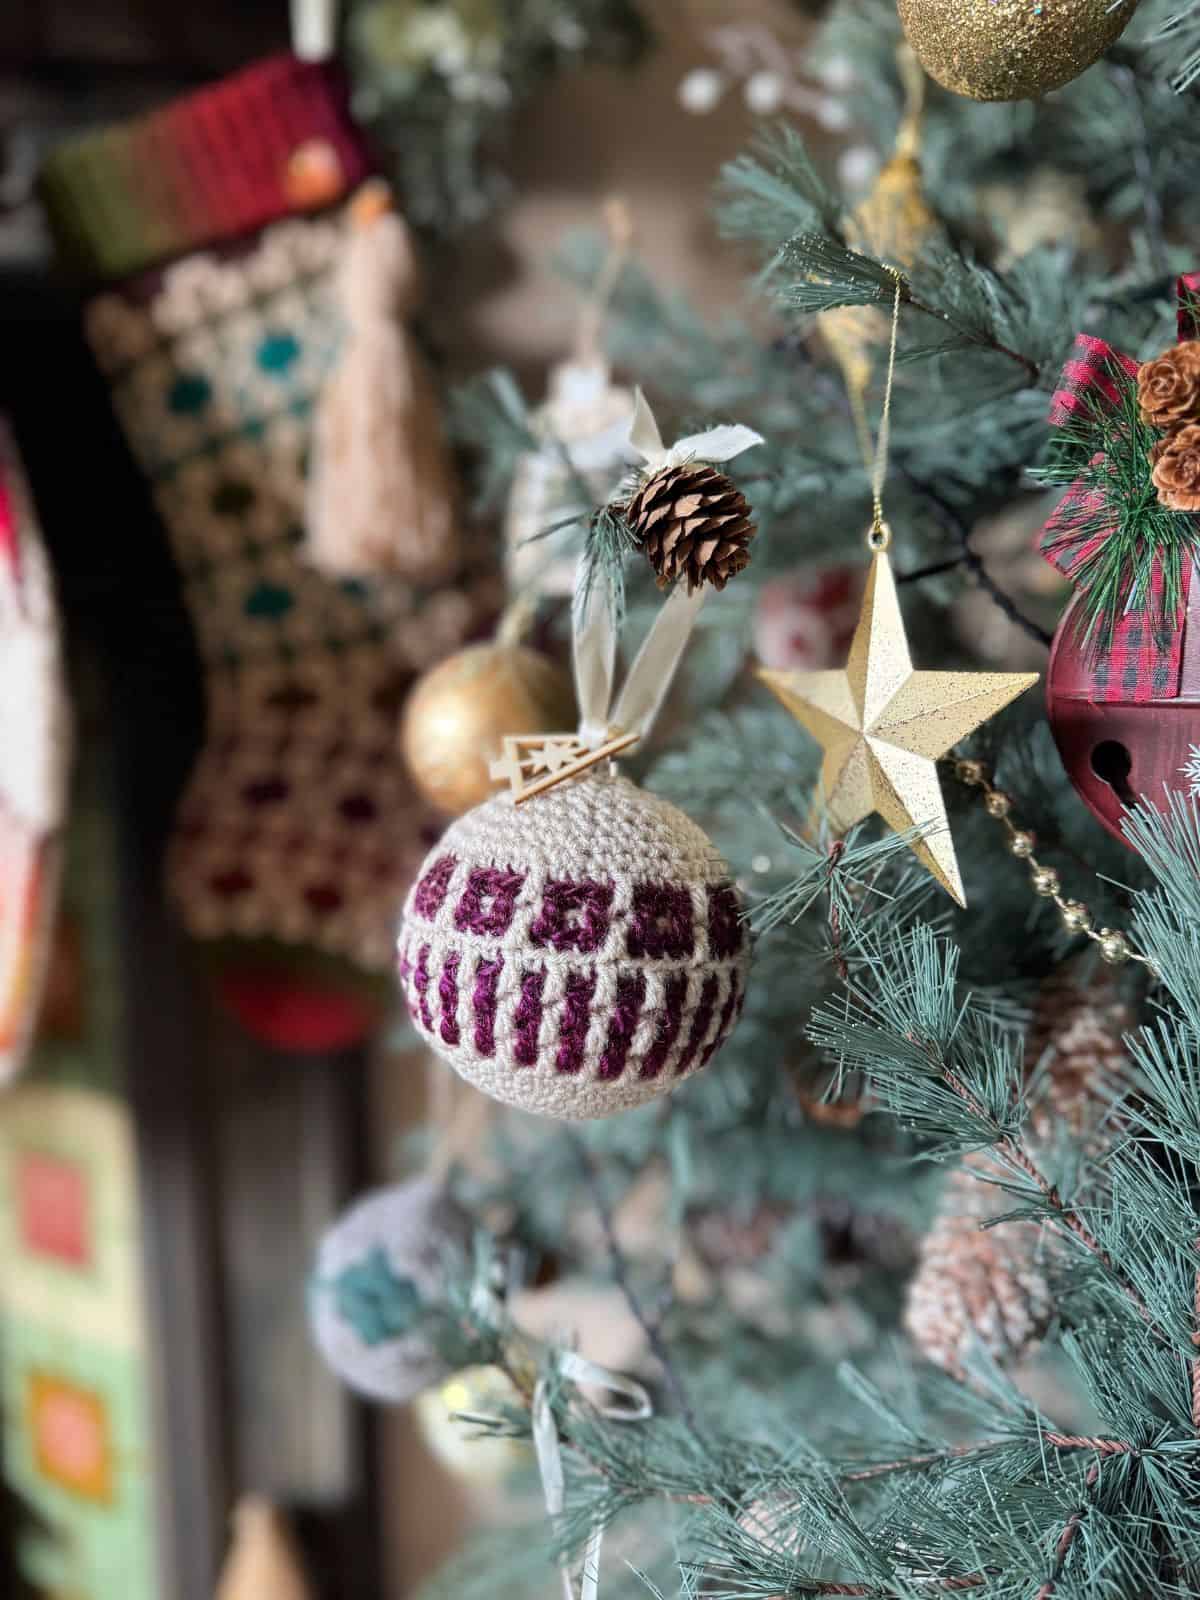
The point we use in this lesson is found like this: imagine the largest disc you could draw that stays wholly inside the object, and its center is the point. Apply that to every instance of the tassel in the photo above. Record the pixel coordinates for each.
(263, 1561)
(380, 495)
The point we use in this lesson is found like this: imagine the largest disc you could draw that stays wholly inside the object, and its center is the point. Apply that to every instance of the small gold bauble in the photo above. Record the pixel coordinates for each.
(458, 713)
(1045, 881)
(969, 772)
(1021, 844)
(1114, 947)
(464, 1448)
(1010, 49)
(997, 804)
(1076, 917)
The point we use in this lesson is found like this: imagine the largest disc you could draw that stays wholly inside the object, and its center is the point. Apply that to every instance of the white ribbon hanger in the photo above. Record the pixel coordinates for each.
(533, 763)
(314, 29)
(579, 1370)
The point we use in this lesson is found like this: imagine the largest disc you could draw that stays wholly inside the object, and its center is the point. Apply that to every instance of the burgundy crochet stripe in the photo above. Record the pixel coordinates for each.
(576, 1012)
(488, 901)
(631, 996)
(700, 1024)
(574, 915)
(725, 933)
(726, 1018)
(660, 922)
(431, 891)
(666, 1030)
(448, 995)
(421, 985)
(483, 1004)
(527, 1018)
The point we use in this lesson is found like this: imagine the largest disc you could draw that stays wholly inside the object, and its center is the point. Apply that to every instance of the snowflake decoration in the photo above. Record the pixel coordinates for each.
(1191, 770)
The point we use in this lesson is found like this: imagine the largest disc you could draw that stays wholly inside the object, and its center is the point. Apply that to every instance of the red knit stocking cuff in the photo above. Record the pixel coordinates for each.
(274, 139)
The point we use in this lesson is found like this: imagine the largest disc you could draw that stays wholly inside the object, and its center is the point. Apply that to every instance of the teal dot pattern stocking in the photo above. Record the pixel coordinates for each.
(298, 823)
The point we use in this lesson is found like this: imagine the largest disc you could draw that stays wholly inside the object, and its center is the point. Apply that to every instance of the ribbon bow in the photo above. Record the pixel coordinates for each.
(1143, 662)
(533, 763)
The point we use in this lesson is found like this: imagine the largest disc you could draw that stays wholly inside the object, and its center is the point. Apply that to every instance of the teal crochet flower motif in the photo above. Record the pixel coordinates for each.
(377, 1303)
(277, 352)
(189, 394)
(269, 600)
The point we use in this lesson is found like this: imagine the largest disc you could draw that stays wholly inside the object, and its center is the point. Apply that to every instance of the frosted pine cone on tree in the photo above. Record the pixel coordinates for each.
(978, 1287)
(987, 1287)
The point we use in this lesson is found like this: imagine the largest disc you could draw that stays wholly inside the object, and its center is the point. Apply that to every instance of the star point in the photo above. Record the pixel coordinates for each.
(883, 725)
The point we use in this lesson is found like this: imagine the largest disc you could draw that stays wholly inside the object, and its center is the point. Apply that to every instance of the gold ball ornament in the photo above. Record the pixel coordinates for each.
(459, 712)
(469, 1451)
(1010, 49)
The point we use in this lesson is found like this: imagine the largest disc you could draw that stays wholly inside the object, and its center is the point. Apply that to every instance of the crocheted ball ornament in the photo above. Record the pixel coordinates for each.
(576, 955)
(379, 1265)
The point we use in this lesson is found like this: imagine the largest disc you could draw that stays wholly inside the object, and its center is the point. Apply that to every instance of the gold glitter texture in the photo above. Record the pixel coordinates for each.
(1010, 49)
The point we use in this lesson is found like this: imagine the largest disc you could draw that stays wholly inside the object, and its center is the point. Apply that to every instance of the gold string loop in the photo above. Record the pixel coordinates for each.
(880, 535)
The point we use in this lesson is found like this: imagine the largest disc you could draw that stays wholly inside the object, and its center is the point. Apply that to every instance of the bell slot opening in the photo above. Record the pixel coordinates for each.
(1112, 764)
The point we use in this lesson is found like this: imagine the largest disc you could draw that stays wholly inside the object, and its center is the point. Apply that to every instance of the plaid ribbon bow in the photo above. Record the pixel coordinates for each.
(1143, 662)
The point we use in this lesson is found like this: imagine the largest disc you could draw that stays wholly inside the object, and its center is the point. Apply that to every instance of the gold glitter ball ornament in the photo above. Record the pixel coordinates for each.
(1010, 49)
(459, 712)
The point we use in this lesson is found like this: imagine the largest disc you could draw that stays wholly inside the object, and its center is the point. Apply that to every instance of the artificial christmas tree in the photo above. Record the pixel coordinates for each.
(886, 1037)
(833, 1342)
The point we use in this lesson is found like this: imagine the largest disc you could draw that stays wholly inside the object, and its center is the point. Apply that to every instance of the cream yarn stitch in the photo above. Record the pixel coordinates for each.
(576, 955)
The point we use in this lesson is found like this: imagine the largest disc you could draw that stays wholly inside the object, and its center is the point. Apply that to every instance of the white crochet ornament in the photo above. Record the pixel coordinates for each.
(576, 955)
(377, 1269)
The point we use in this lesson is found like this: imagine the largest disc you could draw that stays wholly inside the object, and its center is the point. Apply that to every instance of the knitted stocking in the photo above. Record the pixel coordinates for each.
(297, 830)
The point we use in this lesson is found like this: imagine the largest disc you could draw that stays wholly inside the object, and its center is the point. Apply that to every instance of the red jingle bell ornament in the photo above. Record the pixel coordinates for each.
(1124, 704)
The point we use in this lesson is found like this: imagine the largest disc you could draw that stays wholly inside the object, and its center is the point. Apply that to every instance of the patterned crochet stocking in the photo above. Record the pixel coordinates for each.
(297, 831)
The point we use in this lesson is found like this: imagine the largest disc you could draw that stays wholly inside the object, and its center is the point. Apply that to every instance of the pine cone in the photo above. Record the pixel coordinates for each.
(989, 1285)
(1168, 388)
(693, 522)
(1080, 1022)
(1175, 463)
(978, 1287)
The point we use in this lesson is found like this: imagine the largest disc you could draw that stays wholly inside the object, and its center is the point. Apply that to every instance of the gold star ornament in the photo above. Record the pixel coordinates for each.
(882, 726)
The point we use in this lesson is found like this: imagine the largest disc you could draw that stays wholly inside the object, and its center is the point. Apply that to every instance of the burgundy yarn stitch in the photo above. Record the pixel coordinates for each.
(573, 1029)
(527, 1018)
(700, 1024)
(488, 901)
(660, 921)
(631, 994)
(421, 985)
(431, 891)
(666, 1031)
(724, 924)
(557, 924)
(726, 1019)
(483, 1004)
(448, 995)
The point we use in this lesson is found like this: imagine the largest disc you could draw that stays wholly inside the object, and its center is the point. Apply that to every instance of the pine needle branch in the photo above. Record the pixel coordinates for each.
(650, 1327)
(1104, 453)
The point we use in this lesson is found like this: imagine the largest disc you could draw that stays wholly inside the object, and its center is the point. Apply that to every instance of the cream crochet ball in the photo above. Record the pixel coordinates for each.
(377, 1269)
(575, 955)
